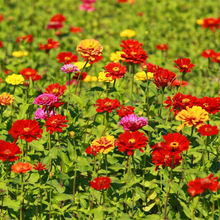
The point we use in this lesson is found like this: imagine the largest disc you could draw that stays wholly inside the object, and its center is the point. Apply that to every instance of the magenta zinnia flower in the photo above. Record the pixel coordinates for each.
(42, 114)
(45, 99)
(69, 68)
(131, 122)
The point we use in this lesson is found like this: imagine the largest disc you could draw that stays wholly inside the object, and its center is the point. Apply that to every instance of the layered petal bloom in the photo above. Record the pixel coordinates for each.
(129, 141)
(69, 68)
(115, 70)
(131, 122)
(27, 38)
(45, 99)
(9, 151)
(15, 79)
(107, 105)
(116, 57)
(56, 123)
(100, 183)
(6, 99)
(105, 77)
(128, 33)
(199, 185)
(211, 23)
(42, 114)
(208, 53)
(184, 65)
(66, 57)
(21, 167)
(55, 89)
(26, 129)
(58, 17)
(51, 44)
(76, 30)
(208, 130)
(125, 110)
(30, 73)
(195, 116)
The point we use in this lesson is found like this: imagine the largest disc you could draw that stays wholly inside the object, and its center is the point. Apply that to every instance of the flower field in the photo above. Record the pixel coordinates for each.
(109, 109)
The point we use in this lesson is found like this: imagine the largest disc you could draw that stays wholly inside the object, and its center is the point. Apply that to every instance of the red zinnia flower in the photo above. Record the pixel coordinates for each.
(199, 185)
(176, 142)
(125, 110)
(184, 65)
(162, 47)
(1, 44)
(8, 151)
(55, 123)
(82, 75)
(27, 38)
(92, 150)
(100, 183)
(29, 73)
(1, 18)
(55, 25)
(26, 129)
(129, 141)
(50, 45)
(208, 53)
(55, 89)
(163, 77)
(21, 167)
(67, 57)
(133, 52)
(58, 18)
(211, 23)
(115, 70)
(107, 105)
(177, 82)
(208, 130)
(216, 58)
(76, 29)
(39, 166)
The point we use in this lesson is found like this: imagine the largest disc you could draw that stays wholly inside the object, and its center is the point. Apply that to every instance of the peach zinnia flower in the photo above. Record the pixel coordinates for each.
(6, 99)
(195, 116)
(21, 167)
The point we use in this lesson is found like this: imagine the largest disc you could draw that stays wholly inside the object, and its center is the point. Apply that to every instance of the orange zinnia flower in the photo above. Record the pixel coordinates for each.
(21, 167)
(6, 99)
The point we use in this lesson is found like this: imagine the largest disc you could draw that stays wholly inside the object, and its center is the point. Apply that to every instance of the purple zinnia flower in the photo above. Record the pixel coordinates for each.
(132, 122)
(45, 99)
(69, 68)
(42, 114)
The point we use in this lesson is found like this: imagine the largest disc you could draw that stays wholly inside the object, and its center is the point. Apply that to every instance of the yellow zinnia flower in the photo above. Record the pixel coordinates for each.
(6, 99)
(80, 65)
(195, 116)
(199, 21)
(19, 53)
(103, 78)
(143, 76)
(116, 57)
(128, 33)
(104, 144)
(15, 79)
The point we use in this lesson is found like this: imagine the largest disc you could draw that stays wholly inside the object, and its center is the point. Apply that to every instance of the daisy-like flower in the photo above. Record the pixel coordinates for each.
(208, 130)
(100, 183)
(90, 50)
(21, 167)
(39, 166)
(26, 129)
(129, 141)
(128, 33)
(69, 68)
(116, 57)
(67, 57)
(51, 44)
(27, 38)
(107, 105)
(15, 79)
(199, 185)
(55, 89)
(195, 116)
(8, 151)
(45, 99)
(76, 30)
(6, 99)
(115, 70)
(30, 73)
(162, 47)
(19, 53)
(56, 123)
(211, 23)
(184, 65)
(125, 110)
(131, 122)
(209, 53)
(104, 77)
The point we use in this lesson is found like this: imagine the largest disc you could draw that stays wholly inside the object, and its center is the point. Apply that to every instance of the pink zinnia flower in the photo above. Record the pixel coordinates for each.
(86, 7)
(69, 68)
(45, 99)
(131, 122)
(42, 114)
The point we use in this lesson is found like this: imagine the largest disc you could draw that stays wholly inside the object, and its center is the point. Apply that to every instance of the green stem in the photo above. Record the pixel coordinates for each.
(22, 197)
(132, 82)
(69, 75)
(161, 104)
(106, 165)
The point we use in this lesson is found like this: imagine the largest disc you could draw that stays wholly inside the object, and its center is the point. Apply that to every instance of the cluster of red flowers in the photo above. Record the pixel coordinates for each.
(115, 70)
(125, 110)
(211, 23)
(56, 22)
(26, 129)
(107, 105)
(129, 141)
(100, 183)
(181, 101)
(133, 52)
(212, 55)
(29, 73)
(51, 44)
(168, 153)
(55, 89)
(28, 38)
(199, 185)
(66, 57)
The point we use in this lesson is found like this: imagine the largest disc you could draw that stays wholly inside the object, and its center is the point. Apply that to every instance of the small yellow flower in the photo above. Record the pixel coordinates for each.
(128, 33)
(80, 65)
(90, 78)
(94, 79)
(6, 99)
(19, 53)
(116, 57)
(150, 75)
(103, 78)
(195, 116)
(199, 21)
(15, 79)
(143, 76)
(104, 144)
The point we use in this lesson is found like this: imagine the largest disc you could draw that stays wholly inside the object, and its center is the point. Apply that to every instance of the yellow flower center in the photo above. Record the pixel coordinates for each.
(26, 129)
(131, 141)
(115, 68)
(185, 66)
(207, 129)
(28, 73)
(133, 53)
(7, 151)
(55, 90)
(185, 100)
(174, 144)
(67, 58)
(108, 104)
(206, 105)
